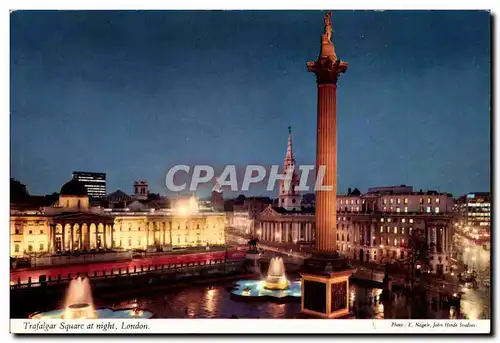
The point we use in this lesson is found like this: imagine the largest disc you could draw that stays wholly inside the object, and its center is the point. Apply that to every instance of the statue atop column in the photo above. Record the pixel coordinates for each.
(327, 67)
(328, 26)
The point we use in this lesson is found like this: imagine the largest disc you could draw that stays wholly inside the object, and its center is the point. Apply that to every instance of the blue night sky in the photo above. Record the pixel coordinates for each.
(133, 93)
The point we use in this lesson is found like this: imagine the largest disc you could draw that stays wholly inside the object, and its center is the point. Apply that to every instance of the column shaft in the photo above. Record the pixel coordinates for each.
(326, 156)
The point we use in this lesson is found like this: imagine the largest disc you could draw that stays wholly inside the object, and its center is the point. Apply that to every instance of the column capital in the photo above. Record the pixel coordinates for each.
(327, 70)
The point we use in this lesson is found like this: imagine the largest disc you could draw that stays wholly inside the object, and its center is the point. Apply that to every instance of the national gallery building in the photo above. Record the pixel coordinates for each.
(72, 224)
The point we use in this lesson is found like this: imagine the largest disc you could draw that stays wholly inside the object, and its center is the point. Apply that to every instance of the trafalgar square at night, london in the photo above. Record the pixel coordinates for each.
(273, 165)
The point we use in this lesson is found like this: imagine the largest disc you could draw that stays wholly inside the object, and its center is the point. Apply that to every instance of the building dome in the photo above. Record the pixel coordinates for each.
(73, 187)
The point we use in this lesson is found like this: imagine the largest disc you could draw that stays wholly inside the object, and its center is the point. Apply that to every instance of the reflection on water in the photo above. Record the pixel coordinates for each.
(200, 301)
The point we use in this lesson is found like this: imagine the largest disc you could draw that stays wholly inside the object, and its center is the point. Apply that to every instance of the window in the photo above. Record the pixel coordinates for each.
(388, 220)
(395, 230)
(392, 201)
(382, 220)
(402, 242)
(398, 209)
(130, 242)
(437, 200)
(17, 231)
(411, 220)
(403, 220)
(399, 200)
(428, 209)
(402, 254)
(357, 201)
(352, 202)
(41, 231)
(421, 201)
(30, 232)
(16, 247)
(429, 200)
(406, 201)
(41, 246)
(406, 209)
(402, 230)
(410, 230)
(30, 248)
(437, 209)
(381, 229)
(385, 209)
(384, 201)
(341, 201)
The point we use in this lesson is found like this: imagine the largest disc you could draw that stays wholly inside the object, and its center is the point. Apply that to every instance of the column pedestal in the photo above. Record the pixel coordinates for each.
(325, 286)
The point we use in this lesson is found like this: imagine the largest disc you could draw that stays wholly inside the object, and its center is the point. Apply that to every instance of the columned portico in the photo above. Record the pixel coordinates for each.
(80, 232)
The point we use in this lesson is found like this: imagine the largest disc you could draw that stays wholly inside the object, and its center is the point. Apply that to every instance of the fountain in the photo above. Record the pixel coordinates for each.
(276, 278)
(78, 304)
(274, 287)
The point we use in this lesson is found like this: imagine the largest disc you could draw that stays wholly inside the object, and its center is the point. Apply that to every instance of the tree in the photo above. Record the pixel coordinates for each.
(18, 191)
(418, 255)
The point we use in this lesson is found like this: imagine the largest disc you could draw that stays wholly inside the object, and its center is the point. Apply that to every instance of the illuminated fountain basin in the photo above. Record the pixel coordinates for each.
(80, 305)
(275, 285)
(258, 289)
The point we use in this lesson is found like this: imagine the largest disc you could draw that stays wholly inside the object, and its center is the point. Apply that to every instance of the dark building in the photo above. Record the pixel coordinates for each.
(95, 183)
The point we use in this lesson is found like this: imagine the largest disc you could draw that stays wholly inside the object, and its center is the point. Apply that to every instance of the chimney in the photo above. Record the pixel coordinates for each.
(348, 191)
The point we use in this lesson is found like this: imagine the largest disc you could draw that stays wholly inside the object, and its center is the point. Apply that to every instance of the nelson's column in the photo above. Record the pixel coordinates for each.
(325, 276)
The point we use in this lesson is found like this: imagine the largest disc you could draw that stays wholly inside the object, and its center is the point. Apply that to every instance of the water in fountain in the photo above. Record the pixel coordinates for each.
(78, 303)
(276, 278)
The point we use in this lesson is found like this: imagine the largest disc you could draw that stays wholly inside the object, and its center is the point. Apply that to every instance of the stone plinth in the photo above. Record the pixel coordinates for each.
(325, 286)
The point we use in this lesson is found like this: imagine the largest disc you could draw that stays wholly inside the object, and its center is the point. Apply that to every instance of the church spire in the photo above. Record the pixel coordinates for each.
(289, 159)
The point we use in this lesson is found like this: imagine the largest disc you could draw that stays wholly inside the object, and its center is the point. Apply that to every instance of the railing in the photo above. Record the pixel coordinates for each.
(118, 272)
(90, 257)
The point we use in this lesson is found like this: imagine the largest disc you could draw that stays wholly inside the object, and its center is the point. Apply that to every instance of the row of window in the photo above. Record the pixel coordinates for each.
(352, 201)
(403, 220)
(30, 232)
(17, 247)
(406, 201)
(395, 230)
(405, 209)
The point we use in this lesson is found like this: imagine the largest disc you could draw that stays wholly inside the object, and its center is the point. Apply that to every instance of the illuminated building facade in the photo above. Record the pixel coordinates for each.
(375, 226)
(71, 224)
